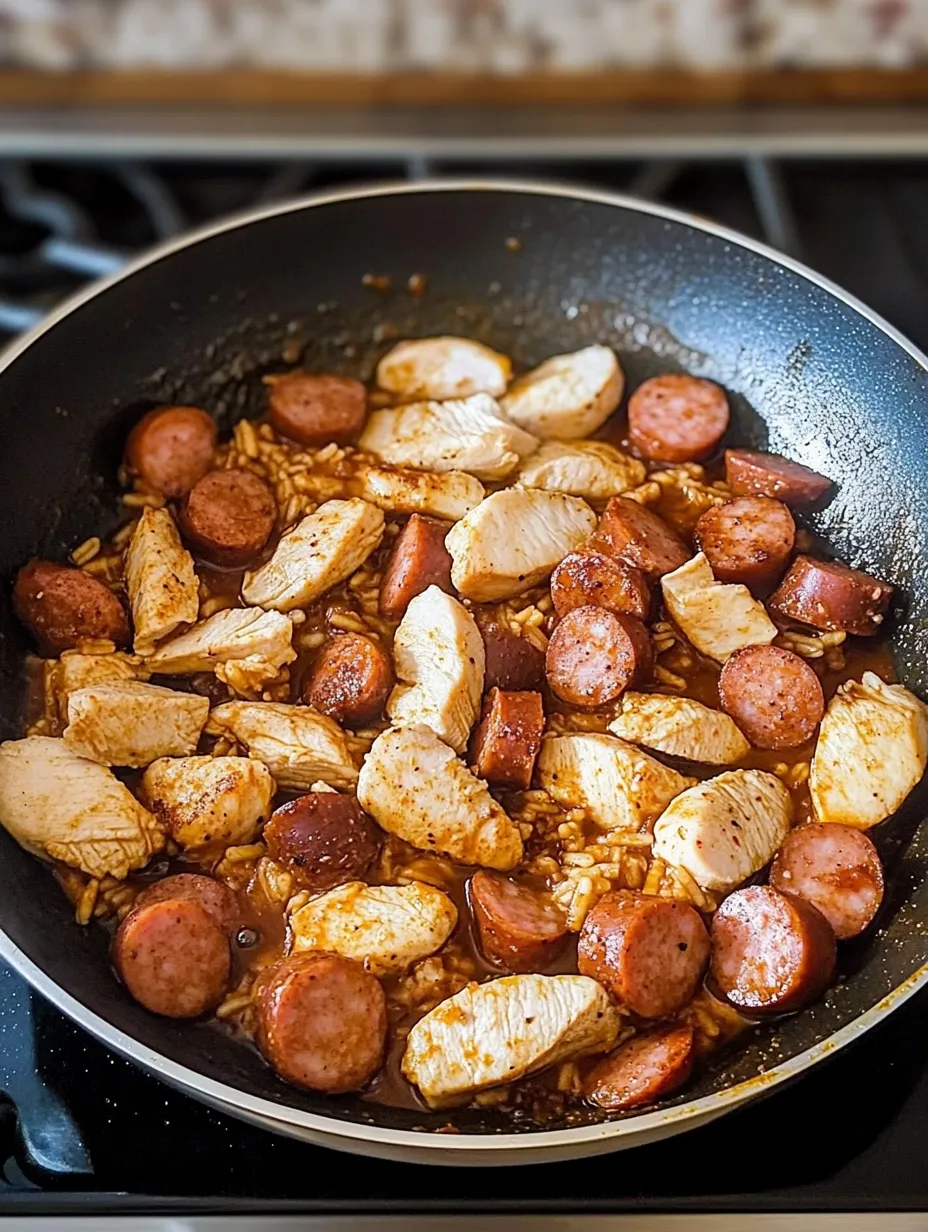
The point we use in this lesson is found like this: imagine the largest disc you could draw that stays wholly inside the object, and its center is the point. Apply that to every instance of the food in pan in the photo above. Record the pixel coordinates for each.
(465, 739)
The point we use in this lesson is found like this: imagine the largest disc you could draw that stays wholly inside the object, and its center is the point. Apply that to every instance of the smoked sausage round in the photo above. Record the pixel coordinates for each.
(642, 1070)
(324, 838)
(317, 408)
(419, 559)
(752, 473)
(216, 899)
(63, 607)
(594, 656)
(677, 418)
(350, 680)
(520, 928)
(228, 517)
(636, 534)
(508, 737)
(170, 448)
(773, 695)
(749, 539)
(594, 579)
(836, 869)
(829, 595)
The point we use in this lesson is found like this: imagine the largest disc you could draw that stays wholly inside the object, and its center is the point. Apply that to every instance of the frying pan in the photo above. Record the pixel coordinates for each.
(812, 373)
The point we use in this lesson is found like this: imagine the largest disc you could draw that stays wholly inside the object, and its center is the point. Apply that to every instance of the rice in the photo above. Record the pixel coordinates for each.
(85, 553)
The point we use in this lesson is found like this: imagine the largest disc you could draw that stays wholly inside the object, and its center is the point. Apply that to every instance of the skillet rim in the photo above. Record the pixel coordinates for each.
(348, 1135)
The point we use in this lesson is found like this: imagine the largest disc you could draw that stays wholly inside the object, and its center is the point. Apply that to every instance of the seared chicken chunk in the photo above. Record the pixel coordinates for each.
(75, 670)
(513, 540)
(385, 927)
(568, 396)
(319, 552)
(448, 495)
(618, 784)
(439, 658)
(468, 434)
(64, 807)
(872, 750)
(208, 802)
(128, 723)
(227, 637)
(680, 727)
(163, 587)
(443, 367)
(725, 829)
(591, 469)
(413, 786)
(497, 1032)
(297, 745)
(717, 618)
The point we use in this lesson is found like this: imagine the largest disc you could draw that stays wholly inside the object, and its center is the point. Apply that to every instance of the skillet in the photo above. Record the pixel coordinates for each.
(812, 373)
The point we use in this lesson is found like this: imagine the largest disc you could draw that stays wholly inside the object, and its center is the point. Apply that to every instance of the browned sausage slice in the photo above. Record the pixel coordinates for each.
(228, 517)
(62, 607)
(836, 869)
(171, 448)
(594, 655)
(829, 595)
(216, 899)
(591, 578)
(350, 680)
(677, 418)
(322, 1022)
(635, 534)
(323, 838)
(173, 957)
(512, 661)
(316, 409)
(646, 1068)
(508, 737)
(774, 696)
(771, 950)
(520, 928)
(749, 539)
(752, 473)
(419, 560)
(650, 953)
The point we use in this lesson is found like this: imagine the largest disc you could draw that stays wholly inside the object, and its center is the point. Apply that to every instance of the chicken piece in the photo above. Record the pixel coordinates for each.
(725, 829)
(297, 745)
(619, 785)
(63, 807)
(591, 469)
(127, 723)
(208, 802)
(439, 658)
(322, 550)
(163, 586)
(447, 495)
(414, 787)
(468, 434)
(872, 750)
(680, 727)
(385, 927)
(497, 1032)
(513, 540)
(443, 367)
(227, 637)
(568, 396)
(75, 670)
(716, 617)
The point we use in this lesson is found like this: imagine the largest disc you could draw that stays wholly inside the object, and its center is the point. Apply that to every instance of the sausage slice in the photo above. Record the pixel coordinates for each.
(635, 534)
(590, 578)
(216, 899)
(316, 409)
(749, 539)
(419, 560)
(322, 1022)
(829, 595)
(677, 418)
(650, 953)
(323, 838)
(773, 695)
(508, 737)
(512, 661)
(752, 473)
(836, 869)
(170, 448)
(642, 1070)
(62, 607)
(520, 928)
(771, 950)
(350, 680)
(594, 655)
(228, 517)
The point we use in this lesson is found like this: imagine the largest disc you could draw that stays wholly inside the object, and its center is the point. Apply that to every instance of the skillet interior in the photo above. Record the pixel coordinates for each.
(810, 377)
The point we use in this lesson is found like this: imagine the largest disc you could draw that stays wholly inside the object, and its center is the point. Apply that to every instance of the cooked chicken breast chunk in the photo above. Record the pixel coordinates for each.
(718, 618)
(208, 802)
(322, 550)
(443, 367)
(413, 786)
(127, 723)
(513, 540)
(619, 785)
(297, 745)
(439, 658)
(591, 469)
(872, 750)
(64, 807)
(448, 495)
(680, 727)
(227, 637)
(498, 1032)
(75, 670)
(162, 584)
(467, 434)
(725, 829)
(568, 396)
(385, 927)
